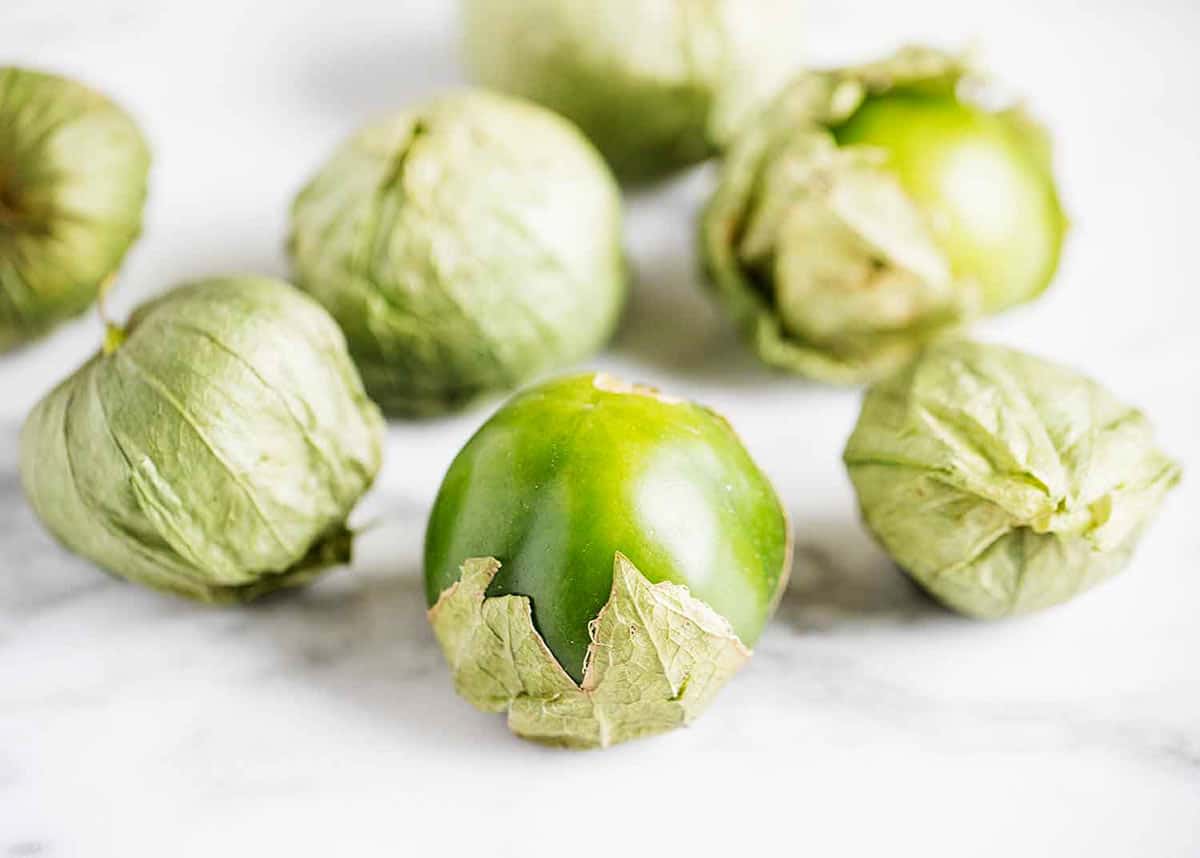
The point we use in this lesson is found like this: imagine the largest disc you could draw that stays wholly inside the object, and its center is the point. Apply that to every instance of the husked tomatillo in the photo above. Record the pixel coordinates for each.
(623, 543)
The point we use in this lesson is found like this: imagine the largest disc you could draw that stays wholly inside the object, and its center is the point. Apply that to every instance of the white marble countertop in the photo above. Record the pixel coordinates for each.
(870, 721)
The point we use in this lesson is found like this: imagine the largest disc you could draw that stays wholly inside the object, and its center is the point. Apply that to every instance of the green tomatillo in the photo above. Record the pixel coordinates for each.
(625, 539)
(73, 172)
(214, 448)
(464, 246)
(1001, 482)
(989, 197)
(873, 209)
(656, 84)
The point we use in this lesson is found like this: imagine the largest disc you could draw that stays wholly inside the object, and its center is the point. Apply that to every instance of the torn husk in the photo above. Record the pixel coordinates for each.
(657, 658)
(879, 287)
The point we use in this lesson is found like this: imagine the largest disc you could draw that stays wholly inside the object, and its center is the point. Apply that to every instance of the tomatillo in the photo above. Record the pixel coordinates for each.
(1001, 482)
(874, 209)
(989, 198)
(628, 539)
(213, 448)
(465, 245)
(73, 174)
(656, 84)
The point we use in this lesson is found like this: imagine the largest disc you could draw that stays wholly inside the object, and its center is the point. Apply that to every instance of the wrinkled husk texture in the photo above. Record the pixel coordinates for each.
(214, 448)
(829, 267)
(464, 247)
(655, 84)
(1001, 482)
(73, 174)
(658, 657)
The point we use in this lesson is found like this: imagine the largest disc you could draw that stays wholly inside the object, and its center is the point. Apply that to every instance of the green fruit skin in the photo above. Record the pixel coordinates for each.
(73, 176)
(568, 474)
(989, 195)
(464, 247)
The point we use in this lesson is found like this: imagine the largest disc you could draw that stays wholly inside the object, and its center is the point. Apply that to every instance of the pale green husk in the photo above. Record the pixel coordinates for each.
(213, 450)
(73, 172)
(656, 84)
(1001, 482)
(658, 657)
(464, 247)
(831, 270)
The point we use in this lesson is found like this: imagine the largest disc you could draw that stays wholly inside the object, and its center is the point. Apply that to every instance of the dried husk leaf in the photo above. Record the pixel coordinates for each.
(830, 268)
(655, 84)
(657, 658)
(215, 450)
(1001, 482)
(465, 246)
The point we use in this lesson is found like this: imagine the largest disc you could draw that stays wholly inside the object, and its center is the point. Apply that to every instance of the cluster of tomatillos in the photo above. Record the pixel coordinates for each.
(600, 556)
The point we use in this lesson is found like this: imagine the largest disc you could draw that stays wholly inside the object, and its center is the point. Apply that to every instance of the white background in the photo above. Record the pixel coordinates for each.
(870, 721)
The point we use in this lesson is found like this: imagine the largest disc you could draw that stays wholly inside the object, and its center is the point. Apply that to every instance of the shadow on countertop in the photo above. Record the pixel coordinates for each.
(840, 578)
(671, 324)
(356, 636)
(673, 321)
(361, 637)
